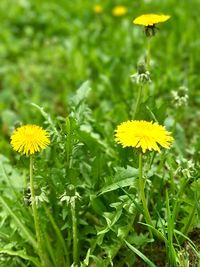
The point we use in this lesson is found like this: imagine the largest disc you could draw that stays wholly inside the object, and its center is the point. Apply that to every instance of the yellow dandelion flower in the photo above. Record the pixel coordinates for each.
(150, 19)
(29, 139)
(119, 11)
(98, 9)
(144, 134)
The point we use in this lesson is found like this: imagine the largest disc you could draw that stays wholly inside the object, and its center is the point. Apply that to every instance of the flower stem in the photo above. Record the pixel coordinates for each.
(138, 101)
(147, 216)
(142, 196)
(35, 214)
(175, 122)
(74, 232)
(148, 53)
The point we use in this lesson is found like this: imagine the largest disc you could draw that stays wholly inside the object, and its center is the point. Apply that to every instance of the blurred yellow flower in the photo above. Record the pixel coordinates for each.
(119, 11)
(144, 134)
(150, 19)
(29, 139)
(98, 9)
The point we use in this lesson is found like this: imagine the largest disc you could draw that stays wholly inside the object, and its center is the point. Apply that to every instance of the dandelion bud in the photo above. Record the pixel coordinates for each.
(180, 97)
(71, 190)
(142, 76)
(141, 68)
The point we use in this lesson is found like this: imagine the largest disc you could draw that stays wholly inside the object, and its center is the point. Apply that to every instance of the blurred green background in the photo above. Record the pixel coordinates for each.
(49, 48)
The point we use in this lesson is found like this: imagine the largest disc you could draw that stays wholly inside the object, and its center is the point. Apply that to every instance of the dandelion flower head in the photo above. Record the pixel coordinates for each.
(29, 139)
(143, 134)
(98, 9)
(119, 11)
(150, 19)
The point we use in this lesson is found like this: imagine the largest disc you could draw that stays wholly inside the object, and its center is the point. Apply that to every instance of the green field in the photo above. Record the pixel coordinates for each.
(85, 200)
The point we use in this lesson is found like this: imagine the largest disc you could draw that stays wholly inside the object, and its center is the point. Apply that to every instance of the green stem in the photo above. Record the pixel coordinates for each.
(74, 232)
(35, 214)
(170, 231)
(68, 142)
(188, 224)
(175, 122)
(148, 53)
(138, 101)
(148, 61)
(171, 175)
(142, 196)
(59, 235)
(178, 197)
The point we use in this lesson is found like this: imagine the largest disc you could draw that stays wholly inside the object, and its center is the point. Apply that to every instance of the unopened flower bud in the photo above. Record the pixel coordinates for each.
(142, 76)
(180, 97)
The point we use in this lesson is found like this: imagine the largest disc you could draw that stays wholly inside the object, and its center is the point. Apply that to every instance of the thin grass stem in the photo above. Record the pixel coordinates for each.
(188, 224)
(59, 235)
(177, 202)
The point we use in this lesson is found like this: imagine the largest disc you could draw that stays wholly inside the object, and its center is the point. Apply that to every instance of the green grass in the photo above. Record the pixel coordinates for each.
(67, 69)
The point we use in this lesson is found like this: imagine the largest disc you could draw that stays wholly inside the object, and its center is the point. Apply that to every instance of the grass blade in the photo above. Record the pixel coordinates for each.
(19, 224)
(140, 254)
(22, 255)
